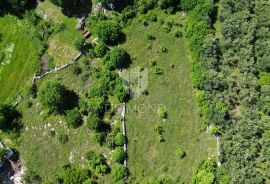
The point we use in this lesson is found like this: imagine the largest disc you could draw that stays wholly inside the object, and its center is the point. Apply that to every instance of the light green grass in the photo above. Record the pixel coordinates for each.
(17, 75)
(61, 44)
(174, 90)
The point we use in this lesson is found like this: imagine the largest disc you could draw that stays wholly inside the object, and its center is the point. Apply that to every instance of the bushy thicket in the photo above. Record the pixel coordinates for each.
(226, 75)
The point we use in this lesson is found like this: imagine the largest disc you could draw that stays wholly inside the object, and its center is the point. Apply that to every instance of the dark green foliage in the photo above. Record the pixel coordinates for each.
(188, 5)
(77, 70)
(93, 122)
(73, 118)
(97, 164)
(8, 117)
(99, 137)
(119, 172)
(16, 7)
(108, 31)
(2, 154)
(120, 92)
(145, 5)
(117, 58)
(71, 175)
(79, 43)
(101, 49)
(56, 97)
(33, 91)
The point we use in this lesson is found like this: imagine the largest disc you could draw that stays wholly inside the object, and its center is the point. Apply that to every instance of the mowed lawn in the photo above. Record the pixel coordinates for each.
(61, 45)
(22, 53)
(147, 157)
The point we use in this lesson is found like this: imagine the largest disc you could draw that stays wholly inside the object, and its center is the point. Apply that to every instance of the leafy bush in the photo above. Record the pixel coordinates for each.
(120, 139)
(99, 137)
(93, 122)
(77, 70)
(100, 49)
(188, 5)
(119, 172)
(180, 153)
(162, 112)
(205, 173)
(79, 43)
(71, 175)
(73, 118)
(118, 155)
(117, 58)
(56, 97)
(97, 164)
(145, 5)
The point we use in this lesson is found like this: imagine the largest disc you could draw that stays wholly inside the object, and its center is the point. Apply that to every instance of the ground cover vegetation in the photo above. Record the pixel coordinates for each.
(71, 118)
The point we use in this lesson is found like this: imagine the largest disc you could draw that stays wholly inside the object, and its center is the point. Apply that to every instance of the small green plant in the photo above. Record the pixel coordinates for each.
(161, 138)
(162, 112)
(180, 153)
(158, 129)
(145, 92)
(150, 36)
(63, 138)
(178, 34)
(164, 50)
(153, 62)
(158, 71)
(77, 70)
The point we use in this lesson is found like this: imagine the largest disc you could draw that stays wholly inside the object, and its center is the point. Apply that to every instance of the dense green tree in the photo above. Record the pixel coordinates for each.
(71, 175)
(164, 4)
(117, 58)
(108, 31)
(73, 118)
(97, 164)
(119, 172)
(188, 4)
(145, 5)
(56, 97)
(96, 104)
(118, 155)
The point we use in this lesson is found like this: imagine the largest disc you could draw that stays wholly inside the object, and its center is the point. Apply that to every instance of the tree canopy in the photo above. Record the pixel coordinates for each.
(56, 97)
(108, 31)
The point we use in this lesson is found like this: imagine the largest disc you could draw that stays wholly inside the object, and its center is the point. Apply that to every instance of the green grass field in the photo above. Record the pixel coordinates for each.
(173, 89)
(23, 53)
(41, 152)
(61, 44)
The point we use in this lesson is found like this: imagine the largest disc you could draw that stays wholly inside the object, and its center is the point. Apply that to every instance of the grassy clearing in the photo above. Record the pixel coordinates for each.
(22, 53)
(41, 152)
(173, 89)
(61, 44)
